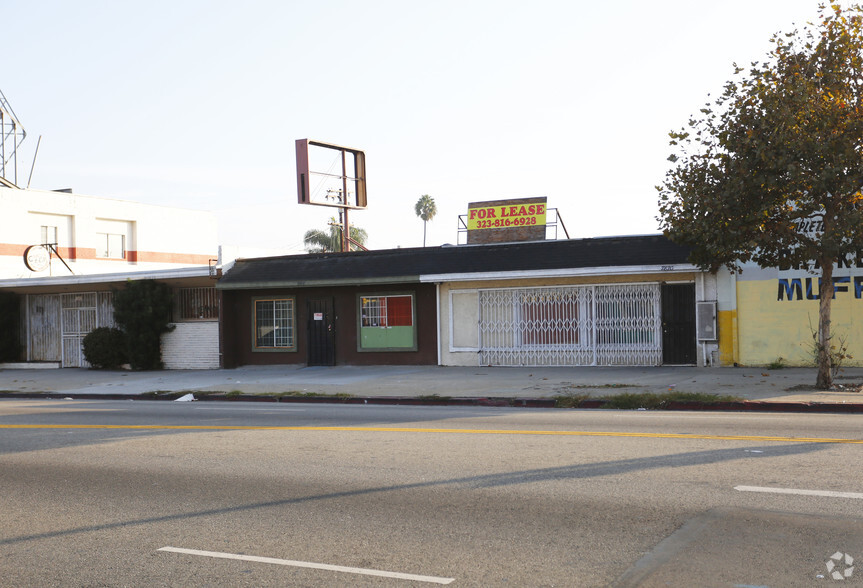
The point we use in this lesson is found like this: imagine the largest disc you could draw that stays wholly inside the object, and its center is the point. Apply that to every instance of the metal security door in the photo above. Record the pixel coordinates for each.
(322, 332)
(78, 318)
(678, 324)
(45, 328)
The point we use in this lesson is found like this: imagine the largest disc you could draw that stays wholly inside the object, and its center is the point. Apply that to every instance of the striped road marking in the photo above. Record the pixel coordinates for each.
(827, 493)
(315, 566)
(759, 438)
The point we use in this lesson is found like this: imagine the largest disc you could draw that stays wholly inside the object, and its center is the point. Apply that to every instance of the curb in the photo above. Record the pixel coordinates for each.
(767, 406)
(593, 404)
(218, 397)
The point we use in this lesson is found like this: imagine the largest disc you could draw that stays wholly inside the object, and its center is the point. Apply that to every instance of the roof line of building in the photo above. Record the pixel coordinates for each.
(251, 285)
(561, 273)
(468, 277)
(185, 272)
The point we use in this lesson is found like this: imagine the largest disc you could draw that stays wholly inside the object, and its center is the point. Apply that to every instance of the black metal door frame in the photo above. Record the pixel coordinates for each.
(321, 340)
(679, 345)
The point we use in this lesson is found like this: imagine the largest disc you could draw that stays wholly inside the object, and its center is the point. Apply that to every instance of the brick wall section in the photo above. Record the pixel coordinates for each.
(192, 346)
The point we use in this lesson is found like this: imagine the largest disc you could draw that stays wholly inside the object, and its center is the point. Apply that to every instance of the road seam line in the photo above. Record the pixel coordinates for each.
(305, 564)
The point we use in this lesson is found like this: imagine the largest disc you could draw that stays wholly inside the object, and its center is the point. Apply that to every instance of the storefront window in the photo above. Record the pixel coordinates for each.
(387, 323)
(275, 325)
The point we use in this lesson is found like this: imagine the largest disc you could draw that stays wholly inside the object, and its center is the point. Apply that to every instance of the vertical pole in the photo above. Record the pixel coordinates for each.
(14, 152)
(593, 321)
(439, 319)
(2, 144)
(33, 165)
(346, 243)
(346, 231)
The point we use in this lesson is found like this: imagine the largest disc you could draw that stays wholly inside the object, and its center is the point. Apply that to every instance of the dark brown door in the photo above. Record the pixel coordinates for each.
(678, 324)
(322, 332)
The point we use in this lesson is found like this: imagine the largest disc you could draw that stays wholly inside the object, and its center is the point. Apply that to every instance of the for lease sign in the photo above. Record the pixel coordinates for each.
(504, 216)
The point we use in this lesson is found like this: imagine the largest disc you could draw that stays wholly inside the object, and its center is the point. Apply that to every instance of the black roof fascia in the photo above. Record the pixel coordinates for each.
(407, 265)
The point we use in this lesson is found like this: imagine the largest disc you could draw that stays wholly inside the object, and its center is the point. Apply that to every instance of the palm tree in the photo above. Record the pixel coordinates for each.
(426, 209)
(318, 241)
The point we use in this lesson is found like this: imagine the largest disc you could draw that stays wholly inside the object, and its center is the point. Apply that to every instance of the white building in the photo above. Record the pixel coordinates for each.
(99, 235)
(64, 254)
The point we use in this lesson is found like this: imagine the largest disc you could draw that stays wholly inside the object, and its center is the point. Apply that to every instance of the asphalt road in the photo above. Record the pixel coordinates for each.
(110, 493)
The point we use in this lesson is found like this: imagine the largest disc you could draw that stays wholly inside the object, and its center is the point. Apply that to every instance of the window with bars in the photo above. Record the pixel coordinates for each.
(374, 312)
(549, 317)
(629, 321)
(615, 324)
(387, 311)
(387, 322)
(275, 324)
(196, 304)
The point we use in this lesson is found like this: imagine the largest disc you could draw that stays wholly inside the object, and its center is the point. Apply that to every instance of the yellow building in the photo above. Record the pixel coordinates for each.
(768, 315)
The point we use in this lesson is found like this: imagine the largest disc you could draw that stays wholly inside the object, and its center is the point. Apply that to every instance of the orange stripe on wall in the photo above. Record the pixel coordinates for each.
(78, 253)
(9, 249)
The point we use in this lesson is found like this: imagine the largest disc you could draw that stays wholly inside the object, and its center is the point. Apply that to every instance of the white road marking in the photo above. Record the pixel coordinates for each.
(826, 493)
(305, 564)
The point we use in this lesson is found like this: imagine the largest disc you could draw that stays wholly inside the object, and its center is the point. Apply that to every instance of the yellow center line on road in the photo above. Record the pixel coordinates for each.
(430, 430)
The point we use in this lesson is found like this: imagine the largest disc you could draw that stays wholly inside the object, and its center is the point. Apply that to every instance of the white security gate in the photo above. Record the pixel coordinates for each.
(81, 313)
(616, 324)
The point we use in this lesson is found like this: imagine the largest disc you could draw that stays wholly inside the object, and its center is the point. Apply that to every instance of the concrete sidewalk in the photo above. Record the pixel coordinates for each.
(784, 385)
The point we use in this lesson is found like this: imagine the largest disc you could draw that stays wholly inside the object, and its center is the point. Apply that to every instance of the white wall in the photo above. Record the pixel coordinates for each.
(156, 237)
(192, 346)
(459, 302)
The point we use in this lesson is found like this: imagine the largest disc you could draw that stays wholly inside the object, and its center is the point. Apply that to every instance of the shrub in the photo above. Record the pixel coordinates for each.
(105, 348)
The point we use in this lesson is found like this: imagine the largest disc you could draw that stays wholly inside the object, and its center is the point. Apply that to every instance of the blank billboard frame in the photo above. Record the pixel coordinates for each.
(351, 159)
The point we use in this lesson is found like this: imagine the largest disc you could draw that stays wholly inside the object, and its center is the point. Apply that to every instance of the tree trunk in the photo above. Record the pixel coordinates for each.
(824, 379)
(424, 232)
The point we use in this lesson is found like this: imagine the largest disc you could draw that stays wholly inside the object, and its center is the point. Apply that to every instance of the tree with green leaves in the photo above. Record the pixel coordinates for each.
(771, 171)
(330, 241)
(142, 310)
(426, 209)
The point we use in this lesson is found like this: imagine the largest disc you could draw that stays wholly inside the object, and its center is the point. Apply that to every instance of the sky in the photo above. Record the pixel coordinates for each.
(198, 104)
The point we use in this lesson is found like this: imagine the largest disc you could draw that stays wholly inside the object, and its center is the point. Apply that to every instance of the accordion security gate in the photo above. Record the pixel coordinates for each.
(617, 324)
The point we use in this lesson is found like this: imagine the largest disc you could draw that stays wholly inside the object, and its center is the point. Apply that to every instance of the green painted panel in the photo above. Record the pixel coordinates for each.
(386, 338)
(400, 337)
